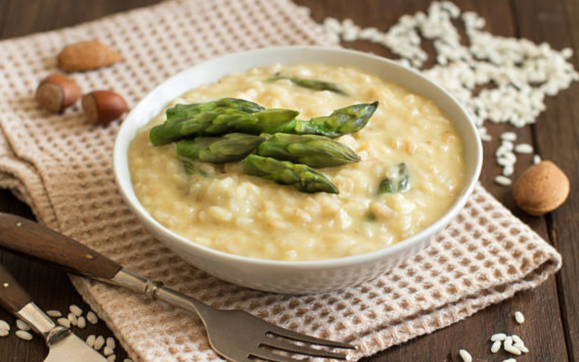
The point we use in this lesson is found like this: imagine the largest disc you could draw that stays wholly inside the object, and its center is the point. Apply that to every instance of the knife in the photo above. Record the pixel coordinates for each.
(62, 343)
(235, 335)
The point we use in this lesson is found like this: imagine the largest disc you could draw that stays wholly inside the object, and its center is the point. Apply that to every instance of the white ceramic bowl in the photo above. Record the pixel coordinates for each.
(284, 276)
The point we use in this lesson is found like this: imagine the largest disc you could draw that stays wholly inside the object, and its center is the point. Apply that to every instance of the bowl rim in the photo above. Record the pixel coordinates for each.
(406, 244)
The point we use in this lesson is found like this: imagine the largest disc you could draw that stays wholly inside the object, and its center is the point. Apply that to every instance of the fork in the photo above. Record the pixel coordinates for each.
(235, 335)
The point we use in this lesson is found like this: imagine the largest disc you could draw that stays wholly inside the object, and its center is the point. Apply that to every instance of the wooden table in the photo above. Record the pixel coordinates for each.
(552, 310)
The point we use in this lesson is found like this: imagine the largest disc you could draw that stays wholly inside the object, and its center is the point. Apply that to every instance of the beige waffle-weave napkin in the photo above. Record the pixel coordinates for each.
(61, 166)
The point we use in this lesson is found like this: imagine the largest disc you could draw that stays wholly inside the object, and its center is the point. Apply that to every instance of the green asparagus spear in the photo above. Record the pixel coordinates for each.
(271, 121)
(170, 131)
(180, 111)
(229, 148)
(302, 177)
(318, 85)
(342, 121)
(221, 121)
(397, 183)
(228, 119)
(192, 168)
(315, 151)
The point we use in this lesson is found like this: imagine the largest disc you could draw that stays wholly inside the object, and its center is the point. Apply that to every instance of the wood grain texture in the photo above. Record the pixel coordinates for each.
(541, 305)
(49, 288)
(32, 240)
(13, 297)
(557, 137)
(552, 310)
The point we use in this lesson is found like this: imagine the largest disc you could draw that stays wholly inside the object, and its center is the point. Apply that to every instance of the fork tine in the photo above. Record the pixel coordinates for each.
(286, 333)
(273, 357)
(290, 347)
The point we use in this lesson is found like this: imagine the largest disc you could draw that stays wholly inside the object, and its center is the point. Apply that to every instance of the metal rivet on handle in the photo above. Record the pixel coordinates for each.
(151, 289)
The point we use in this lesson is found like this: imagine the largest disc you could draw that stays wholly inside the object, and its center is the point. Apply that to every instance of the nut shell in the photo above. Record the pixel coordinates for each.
(541, 188)
(56, 92)
(103, 107)
(86, 55)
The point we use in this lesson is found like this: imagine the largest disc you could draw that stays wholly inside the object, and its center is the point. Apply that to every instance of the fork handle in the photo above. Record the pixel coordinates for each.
(32, 240)
(28, 238)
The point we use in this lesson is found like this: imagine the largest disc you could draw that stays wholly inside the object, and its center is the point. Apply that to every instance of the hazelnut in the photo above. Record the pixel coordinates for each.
(103, 107)
(56, 92)
(86, 55)
(541, 188)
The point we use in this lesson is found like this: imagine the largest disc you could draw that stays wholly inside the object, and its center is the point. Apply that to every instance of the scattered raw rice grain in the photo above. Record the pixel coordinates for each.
(524, 148)
(503, 181)
(81, 322)
(90, 340)
(75, 309)
(63, 322)
(112, 358)
(508, 345)
(92, 317)
(128, 360)
(496, 346)
(510, 360)
(111, 343)
(509, 136)
(513, 350)
(536, 159)
(520, 318)
(504, 161)
(54, 313)
(4, 332)
(517, 339)
(99, 342)
(24, 335)
(521, 347)
(508, 170)
(498, 337)
(519, 344)
(524, 73)
(22, 325)
(466, 357)
(73, 319)
(107, 351)
(4, 325)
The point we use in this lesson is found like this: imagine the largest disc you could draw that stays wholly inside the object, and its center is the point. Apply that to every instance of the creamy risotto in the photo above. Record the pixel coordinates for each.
(250, 216)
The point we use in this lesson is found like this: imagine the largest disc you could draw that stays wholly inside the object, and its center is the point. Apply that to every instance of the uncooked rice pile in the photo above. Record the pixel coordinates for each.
(61, 166)
(521, 72)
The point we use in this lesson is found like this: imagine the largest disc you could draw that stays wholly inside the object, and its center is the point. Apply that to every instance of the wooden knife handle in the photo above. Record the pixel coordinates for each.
(12, 296)
(30, 239)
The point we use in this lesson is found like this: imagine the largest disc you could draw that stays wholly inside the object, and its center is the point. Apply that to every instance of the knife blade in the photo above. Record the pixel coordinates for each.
(62, 343)
(72, 349)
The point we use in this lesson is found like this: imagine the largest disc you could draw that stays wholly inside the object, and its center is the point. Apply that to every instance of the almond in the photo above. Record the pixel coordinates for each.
(103, 107)
(541, 188)
(56, 92)
(86, 55)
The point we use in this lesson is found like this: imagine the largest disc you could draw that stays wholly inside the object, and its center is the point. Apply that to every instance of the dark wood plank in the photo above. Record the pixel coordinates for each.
(21, 18)
(49, 288)
(543, 321)
(557, 136)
